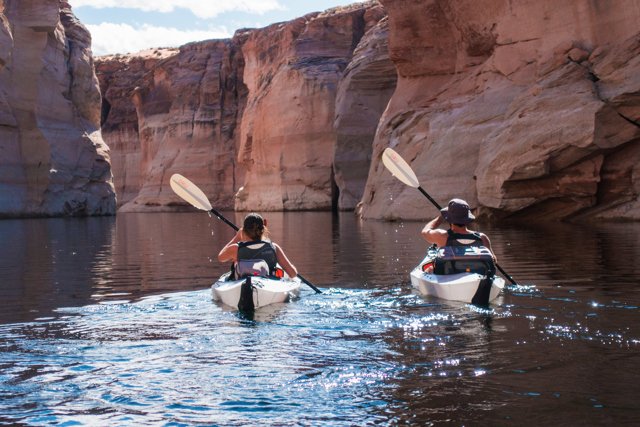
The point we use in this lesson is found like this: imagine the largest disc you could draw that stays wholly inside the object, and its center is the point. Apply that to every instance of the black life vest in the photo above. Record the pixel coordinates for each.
(259, 250)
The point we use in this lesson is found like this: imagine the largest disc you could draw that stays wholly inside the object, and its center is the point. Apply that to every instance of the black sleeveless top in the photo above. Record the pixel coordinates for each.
(459, 239)
(259, 250)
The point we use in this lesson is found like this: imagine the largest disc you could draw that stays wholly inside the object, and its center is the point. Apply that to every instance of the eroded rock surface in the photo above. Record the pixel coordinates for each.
(177, 115)
(182, 112)
(119, 75)
(292, 73)
(364, 91)
(53, 160)
(525, 109)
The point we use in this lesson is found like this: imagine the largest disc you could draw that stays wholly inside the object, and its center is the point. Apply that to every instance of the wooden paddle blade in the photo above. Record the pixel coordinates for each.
(189, 192)
(398, 167)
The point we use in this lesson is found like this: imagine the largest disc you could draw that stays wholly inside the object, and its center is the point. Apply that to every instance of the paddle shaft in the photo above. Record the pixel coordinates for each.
(235, 227)
(429, 197)
(504, 273)
(220, 216)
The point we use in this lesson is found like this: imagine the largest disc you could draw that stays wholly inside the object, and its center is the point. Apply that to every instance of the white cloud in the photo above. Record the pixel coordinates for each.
(200, 8)
(110, 38)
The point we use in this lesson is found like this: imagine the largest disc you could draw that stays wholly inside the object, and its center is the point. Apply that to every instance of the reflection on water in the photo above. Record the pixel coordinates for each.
(109, 321)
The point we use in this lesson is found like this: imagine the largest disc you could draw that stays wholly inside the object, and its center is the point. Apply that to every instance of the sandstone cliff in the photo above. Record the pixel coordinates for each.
(363, 94)
(526, 109)
(174, 112)
(119, 75)
(52, 158)
(184, 112)
(292, 73)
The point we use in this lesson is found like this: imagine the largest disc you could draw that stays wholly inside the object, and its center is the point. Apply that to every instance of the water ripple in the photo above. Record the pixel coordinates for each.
(117, 335)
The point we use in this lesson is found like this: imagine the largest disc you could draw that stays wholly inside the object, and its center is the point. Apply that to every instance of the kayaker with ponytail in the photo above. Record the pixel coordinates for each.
(458, 215)
(251, 242)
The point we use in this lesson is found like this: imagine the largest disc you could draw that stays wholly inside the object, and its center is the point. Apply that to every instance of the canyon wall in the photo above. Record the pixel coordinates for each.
(175, 112)
(53, 160)
(363, 94)
(119, 75)
(528, 110)
(258, 136)
(292, 72)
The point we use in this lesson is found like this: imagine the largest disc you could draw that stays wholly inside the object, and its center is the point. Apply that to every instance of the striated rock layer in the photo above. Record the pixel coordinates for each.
(53, 160)
(363, 94)
(292, 73)
(183, 111)
(526, 109)
(175, 112)
(119, 75)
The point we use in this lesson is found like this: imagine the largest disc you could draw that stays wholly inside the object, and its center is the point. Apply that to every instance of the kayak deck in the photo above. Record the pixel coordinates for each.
(265, 290)
(455, 287)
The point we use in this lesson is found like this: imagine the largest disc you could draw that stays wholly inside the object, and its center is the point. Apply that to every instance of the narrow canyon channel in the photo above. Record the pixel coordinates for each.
(110, 321)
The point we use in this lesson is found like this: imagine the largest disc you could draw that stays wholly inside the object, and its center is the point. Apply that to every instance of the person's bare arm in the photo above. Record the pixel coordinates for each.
(433, 234)
(230, 252)
(487, 243)
(284, 262)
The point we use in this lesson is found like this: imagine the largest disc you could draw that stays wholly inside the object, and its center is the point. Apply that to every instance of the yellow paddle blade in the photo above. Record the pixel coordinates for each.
(398, 167)
(189, 192)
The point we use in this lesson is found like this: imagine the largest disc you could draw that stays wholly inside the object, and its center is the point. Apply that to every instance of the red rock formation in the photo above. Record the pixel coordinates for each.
(183, 114)
(52, 157)
(292, 73)
(525, 109)
(363, 94)
(119, 75)
(178, 115)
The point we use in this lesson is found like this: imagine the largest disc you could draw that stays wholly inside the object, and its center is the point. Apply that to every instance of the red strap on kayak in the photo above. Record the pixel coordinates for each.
(427, 265)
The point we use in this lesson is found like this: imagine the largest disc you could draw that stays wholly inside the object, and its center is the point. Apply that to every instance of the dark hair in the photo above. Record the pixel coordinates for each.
(254, 227)
(460, 225)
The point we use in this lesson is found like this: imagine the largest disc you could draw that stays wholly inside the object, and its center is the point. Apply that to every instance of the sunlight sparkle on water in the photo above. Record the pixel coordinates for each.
(367, 351)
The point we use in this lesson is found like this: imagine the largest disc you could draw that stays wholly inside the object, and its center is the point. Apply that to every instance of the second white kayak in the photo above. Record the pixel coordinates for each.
(457, 287)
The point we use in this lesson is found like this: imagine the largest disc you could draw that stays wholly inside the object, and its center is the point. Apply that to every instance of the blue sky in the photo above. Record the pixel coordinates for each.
(128, 26)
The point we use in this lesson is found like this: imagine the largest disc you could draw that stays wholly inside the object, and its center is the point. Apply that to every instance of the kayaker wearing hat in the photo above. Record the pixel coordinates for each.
(252, 242)
(458, 215)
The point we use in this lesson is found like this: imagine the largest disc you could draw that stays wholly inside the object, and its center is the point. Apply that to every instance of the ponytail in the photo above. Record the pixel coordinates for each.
(254, 227)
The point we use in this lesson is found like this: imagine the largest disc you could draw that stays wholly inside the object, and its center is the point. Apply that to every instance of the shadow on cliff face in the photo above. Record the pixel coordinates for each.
(543, 127)
(175, 111)
(53, 161)
(202, 87)
(364, 92)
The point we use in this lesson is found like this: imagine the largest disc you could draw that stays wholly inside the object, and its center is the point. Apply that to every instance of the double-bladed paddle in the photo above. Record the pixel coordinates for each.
(401, 170)
(192, 194)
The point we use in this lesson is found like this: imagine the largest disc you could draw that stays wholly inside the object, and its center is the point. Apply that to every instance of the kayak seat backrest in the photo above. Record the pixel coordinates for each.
(460, 259)
(452, 253)
(251, 267)
(455, 267)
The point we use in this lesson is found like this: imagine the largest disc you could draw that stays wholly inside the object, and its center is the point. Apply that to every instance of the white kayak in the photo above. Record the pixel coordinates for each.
(264, 290)
(457, 287)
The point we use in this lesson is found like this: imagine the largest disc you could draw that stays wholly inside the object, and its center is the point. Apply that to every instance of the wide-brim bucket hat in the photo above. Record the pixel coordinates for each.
(457, 212)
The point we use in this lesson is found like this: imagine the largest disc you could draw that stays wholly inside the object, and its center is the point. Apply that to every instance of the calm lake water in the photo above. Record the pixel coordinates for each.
(110, 322)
